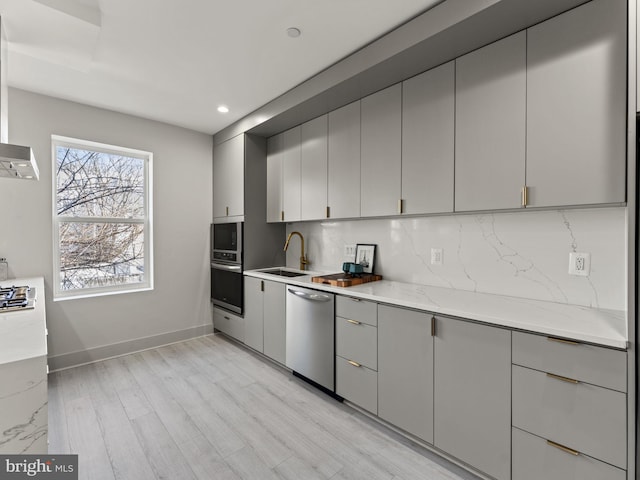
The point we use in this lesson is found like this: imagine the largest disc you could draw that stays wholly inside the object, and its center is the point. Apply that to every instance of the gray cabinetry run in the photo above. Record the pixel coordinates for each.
(472, 394)
(428, 127)
(576, 106)
(343, 188)
(490, 126)
(381, 152)
(405, 370)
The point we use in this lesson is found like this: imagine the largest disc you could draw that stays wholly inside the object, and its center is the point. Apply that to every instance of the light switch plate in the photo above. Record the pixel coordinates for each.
(579, 264)
(349, 253)
(437, 256)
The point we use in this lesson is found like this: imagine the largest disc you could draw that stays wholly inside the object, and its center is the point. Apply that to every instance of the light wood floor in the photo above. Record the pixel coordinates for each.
(209, 409)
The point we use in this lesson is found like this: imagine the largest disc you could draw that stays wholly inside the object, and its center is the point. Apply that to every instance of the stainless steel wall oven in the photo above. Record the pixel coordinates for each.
(227, 282)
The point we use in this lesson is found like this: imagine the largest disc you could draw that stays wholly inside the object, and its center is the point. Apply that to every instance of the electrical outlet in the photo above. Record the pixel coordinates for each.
(437, 256)
(579, 264)
(350, 253)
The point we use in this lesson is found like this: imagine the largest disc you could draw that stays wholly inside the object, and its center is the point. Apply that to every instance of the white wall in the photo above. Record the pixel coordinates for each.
(179, 304)
(522, 254)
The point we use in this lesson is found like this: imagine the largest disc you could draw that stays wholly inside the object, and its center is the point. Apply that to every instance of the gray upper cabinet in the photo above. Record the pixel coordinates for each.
(343, 189)
(313, 169)
(490, 126)
(381, 152)
(576, 106)
(291, 175)
(405, 370)
(428, 127)
(275, 150)
(472, 394)
(228, 178)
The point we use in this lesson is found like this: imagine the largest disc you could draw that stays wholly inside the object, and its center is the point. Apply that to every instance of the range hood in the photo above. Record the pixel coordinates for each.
(16, 161)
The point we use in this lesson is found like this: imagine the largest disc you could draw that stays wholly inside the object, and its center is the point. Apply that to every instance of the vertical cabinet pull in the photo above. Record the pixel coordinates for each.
(563, 448)
(433, 326)
(524, 194)
(227, 211)
(400, 205)
(282, 215)
(262, 285)
(328, 213)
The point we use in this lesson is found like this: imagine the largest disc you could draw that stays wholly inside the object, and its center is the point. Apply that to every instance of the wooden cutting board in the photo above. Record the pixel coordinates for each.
(346, 280)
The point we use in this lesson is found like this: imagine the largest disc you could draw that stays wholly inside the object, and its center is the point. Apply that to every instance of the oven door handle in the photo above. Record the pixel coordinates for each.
(231, 268)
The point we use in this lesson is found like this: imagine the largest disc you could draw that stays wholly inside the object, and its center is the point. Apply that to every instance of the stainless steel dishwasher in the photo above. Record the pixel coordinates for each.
(310, 335)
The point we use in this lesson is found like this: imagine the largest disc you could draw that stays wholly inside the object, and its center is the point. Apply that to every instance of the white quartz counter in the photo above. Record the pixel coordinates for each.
(22, 332)
(602, 327)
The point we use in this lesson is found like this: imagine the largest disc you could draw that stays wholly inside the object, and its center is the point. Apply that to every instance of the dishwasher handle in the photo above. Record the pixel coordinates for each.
(314, 297)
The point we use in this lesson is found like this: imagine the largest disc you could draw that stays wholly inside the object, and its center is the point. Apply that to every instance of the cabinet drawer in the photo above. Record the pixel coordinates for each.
(535, 459)
(584, 417)
(229, 323)
(357, 341)
(598, 365)
(356, 309)
(357, 384)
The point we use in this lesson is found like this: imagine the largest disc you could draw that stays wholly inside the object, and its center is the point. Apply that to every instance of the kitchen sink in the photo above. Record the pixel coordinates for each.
(284, 273)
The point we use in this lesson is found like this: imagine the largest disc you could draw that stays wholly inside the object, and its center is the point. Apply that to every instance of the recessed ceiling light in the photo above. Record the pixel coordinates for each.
(293, 32)
(223, 109)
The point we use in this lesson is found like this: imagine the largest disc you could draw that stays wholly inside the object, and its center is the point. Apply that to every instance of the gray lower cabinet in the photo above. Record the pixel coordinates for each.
(381, 152)
(264, 317)
(534, 458)
(228, 323)
(405, 370)
(428, 130)
(576, 106)
(472, 394)
(491, 92)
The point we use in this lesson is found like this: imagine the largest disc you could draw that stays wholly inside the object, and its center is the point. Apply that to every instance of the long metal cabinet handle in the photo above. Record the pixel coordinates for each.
(433, 326)
(314, 297)
(561, 340)
(563, 448)
(563, 379)
(355, 364)
(219, 266)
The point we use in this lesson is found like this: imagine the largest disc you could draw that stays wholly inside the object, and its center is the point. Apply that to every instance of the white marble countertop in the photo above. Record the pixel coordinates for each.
(22, 333)
(601, 327)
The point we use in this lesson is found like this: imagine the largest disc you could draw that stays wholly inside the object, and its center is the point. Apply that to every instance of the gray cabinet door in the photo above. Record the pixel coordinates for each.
(228, 178)
(428, 127)
(405, 370)
(472, 394)
(253, 317)
(381, 152)
(490, 126)
(343, 189)
(275, 150)
(291, 174)
(313, 169)
(274, 321)
(576, 106)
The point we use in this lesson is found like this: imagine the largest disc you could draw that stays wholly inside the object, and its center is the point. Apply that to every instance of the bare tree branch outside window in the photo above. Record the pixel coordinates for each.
(101, 210)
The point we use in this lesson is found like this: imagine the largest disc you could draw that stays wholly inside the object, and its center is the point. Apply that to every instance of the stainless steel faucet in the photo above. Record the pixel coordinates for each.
(303, 258)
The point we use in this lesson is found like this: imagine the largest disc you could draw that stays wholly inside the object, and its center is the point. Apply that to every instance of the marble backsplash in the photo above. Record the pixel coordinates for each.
(521, 254)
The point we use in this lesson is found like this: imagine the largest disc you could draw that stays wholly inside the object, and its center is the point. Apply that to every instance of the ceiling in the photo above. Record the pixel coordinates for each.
(178, 62)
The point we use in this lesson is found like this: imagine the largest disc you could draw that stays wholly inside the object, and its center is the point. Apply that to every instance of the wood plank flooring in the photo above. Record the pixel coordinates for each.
(210, 409)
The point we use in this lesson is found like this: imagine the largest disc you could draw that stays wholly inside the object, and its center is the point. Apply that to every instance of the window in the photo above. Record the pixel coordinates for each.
(101, 218)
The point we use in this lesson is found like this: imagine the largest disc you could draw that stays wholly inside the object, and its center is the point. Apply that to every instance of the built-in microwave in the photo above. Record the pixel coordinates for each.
(226, 242)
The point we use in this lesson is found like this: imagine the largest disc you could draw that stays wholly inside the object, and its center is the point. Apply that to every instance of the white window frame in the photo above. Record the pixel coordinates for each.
(58, 293)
